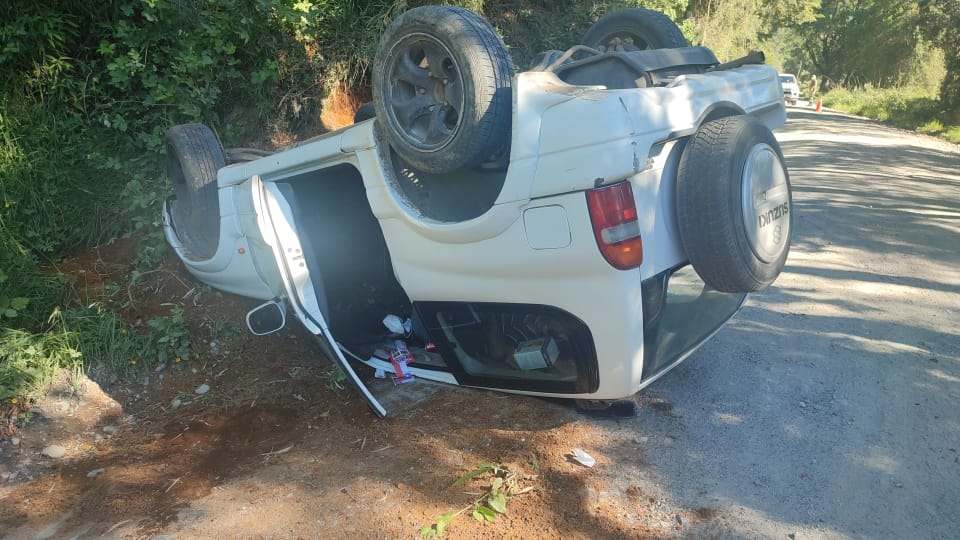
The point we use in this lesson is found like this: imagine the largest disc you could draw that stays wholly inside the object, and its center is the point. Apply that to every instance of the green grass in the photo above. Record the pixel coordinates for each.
(29, 361)
(909, 108)
(88, 338)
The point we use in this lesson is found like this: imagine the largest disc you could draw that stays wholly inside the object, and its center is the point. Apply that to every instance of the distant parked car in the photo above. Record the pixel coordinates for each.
(574, 231)
(791, 89)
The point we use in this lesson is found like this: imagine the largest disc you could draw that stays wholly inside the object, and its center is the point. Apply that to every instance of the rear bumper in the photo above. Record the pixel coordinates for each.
(639, 331)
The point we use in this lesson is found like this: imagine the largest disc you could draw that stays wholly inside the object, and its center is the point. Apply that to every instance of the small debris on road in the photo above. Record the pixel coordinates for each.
(202, 389)
(54, 451)
(582, 457)
(96, 472)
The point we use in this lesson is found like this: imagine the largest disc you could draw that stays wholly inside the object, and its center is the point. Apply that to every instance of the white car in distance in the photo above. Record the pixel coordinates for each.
(791, 88)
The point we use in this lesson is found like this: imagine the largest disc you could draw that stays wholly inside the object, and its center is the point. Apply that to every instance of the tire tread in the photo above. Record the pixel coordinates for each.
(487, 134)
(196, 150)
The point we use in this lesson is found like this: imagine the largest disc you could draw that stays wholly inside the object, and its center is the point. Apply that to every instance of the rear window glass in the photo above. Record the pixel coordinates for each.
(689, 313)
(788, 79)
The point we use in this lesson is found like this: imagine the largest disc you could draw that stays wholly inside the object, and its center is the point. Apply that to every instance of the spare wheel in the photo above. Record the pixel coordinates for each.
(634, 29)
(441, 89)
(734, 207)
(194, 156)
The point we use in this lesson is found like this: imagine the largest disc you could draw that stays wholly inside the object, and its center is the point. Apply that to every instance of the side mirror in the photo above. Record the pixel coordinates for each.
(267, 318)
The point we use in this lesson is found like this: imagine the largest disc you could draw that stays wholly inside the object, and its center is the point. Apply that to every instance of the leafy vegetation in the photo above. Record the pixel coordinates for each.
(334, 378)
(30, 361)
(491, 502)
(88, 338)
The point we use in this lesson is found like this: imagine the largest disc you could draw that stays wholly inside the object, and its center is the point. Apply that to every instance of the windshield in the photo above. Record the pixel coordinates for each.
(788, 79)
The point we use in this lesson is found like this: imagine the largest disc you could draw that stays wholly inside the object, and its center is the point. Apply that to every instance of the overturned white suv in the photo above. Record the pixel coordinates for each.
(575, 230)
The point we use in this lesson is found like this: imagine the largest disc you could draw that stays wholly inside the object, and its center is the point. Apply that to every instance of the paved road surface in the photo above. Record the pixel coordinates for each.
(831, 407)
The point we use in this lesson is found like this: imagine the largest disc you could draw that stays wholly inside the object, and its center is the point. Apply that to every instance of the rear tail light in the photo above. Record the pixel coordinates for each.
(613, 213)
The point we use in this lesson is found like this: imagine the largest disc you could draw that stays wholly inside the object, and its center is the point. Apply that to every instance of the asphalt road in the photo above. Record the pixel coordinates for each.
(830, 407)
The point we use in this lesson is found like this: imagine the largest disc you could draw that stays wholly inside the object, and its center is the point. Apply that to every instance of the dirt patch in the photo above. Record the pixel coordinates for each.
(276, 449)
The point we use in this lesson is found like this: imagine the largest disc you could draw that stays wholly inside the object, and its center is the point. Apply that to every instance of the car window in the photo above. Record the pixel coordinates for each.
(691, 312)
(516, 346)
(788, 79)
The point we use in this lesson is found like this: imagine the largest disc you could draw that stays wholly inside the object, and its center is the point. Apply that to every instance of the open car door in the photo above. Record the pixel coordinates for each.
(305, 295)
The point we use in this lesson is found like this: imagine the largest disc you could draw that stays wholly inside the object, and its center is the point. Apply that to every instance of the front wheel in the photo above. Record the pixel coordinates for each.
(734, 207)
(194, 156)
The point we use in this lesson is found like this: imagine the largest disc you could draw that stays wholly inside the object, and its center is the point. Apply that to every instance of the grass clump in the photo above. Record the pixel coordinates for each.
(912, 108)
(88, 338)
(29, 361)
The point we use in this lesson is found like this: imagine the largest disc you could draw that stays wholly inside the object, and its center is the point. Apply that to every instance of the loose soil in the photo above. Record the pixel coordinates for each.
(277, 448)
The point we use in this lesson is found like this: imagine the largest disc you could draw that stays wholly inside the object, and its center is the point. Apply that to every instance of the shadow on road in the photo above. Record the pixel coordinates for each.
(827, 408)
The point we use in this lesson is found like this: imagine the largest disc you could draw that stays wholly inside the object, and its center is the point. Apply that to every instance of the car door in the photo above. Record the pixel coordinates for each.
(306, 298)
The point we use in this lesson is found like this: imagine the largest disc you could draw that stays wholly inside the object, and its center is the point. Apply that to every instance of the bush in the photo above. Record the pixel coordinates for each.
(86, 93)
(911, 108)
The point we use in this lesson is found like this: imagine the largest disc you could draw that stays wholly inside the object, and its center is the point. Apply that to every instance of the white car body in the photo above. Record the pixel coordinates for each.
(791, 89)
(534, 245)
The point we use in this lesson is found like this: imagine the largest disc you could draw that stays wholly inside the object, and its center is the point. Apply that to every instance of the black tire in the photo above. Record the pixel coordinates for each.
(364, 112)
(634, 29)
(194, 156)
(734, 206)
(441, 120)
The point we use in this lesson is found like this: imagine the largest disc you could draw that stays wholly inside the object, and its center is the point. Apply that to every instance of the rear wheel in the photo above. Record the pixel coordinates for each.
(194, 156)
(634, 29)
(442, 89)
(734, 206)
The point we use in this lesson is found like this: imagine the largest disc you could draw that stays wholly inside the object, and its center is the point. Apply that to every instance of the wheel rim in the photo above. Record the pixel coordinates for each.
(766, 203)
(628, 41)
(424, 97)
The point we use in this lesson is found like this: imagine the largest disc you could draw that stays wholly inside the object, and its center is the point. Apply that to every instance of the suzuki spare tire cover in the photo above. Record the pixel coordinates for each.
(442, 89)
(734, 207)
(194, 156)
